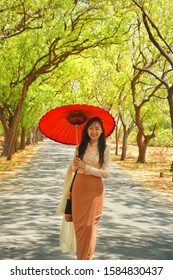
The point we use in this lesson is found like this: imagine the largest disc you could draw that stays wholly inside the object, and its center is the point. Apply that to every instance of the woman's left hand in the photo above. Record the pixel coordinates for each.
(78, 163)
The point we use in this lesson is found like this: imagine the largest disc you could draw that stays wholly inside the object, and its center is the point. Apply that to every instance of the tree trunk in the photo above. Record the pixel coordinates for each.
(124, 147)
(143, 141)
(14, 133)
(38, 136)
(125, 138)
(7, 138)
(9, 129)
(18, 114)
(142, 148)
(16, 142)
(34, 141)
(29, 139)
(117, 136)
(22, 139)
(170, 102)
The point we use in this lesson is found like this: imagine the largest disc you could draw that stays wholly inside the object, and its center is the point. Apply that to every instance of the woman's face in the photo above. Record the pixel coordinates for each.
(94, 131)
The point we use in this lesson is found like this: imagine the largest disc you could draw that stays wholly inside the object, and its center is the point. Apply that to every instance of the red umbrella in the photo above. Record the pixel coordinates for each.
(65, 124)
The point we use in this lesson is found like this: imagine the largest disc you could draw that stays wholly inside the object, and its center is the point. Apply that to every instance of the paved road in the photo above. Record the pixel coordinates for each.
(136, 223)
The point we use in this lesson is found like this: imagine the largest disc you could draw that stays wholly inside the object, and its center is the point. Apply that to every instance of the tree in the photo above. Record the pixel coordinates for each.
(68, 29)
(127, 120)
(159, 34)
(142, 88)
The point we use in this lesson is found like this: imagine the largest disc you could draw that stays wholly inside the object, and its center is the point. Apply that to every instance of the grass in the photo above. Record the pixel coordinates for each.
(4, 165)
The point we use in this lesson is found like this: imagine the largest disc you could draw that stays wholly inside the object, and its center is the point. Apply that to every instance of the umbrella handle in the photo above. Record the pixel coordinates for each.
(77, 134)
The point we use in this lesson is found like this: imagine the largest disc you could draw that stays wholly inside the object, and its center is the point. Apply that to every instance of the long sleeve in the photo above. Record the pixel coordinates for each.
(104, 170)
(91, 159)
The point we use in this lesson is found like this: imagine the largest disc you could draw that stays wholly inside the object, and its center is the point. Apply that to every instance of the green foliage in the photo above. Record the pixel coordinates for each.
(100, 41)
(163, 138)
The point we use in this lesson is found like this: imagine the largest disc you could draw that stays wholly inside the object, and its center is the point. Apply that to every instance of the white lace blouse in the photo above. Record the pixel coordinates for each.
(91, 159)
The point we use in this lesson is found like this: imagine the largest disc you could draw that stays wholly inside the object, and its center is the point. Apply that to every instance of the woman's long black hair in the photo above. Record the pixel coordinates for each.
(86, 139)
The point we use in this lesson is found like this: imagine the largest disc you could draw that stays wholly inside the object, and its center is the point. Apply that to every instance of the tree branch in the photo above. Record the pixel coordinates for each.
(153, 74)
(23, 23)
(153, 40)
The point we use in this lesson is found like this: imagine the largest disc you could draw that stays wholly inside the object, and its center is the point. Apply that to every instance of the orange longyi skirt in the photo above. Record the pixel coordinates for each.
(87, 204)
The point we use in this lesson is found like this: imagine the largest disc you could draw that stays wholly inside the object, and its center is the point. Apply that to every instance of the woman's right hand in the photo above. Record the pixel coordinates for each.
(78, 163)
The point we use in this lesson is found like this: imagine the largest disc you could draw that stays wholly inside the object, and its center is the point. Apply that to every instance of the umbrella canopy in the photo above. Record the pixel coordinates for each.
(65, 124)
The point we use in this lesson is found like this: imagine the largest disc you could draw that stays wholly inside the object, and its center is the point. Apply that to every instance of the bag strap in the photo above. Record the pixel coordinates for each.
(73, 180)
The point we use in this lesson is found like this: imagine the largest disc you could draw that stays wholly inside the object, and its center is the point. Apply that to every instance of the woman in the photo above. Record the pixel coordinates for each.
(91, 161)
